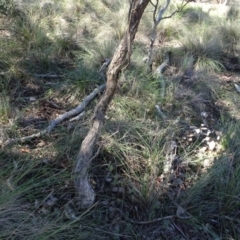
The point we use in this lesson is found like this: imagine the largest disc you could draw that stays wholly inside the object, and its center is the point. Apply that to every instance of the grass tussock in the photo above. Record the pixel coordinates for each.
(167, 163)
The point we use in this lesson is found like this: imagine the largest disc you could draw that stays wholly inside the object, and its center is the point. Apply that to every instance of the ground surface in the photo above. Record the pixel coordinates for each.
(171, 176)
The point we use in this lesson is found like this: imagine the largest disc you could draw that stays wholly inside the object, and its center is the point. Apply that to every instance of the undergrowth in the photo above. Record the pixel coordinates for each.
(179, 165)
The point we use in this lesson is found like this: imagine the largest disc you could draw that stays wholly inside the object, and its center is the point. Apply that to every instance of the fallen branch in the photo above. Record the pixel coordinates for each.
(74, 112)
(48, 75)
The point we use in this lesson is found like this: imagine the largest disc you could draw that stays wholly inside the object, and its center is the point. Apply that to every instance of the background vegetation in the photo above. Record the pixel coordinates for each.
(171, 177)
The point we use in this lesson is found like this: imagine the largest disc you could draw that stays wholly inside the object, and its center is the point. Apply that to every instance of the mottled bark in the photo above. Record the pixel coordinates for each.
(84, 193)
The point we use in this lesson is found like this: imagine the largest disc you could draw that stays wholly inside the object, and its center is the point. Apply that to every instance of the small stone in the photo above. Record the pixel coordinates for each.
(105, 202)
(115, 189)
(204, 114)
(157, 204)
(51, 201)
(121, 190)
(41, 144)
(46, 160)
(211, 145)
(177, 182)
(203, 149)
(108, 179)
(197, 131)
(32, 99)
(207, 139)
(113, 203)
(207, 163)
(45, 210)
(36, 203)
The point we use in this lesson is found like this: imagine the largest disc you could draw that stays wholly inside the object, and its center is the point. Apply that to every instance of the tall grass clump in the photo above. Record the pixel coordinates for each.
(191, 16)
(139, 161)
(204, 46)
(229, 32)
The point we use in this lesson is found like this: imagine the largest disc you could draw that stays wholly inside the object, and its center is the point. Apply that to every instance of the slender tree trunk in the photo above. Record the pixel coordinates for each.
(84, 192)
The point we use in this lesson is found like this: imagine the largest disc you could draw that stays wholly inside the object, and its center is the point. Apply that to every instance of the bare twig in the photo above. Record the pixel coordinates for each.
(53, 104)
(179, 10)
(152, 3)
(78, 117)
(48, 75)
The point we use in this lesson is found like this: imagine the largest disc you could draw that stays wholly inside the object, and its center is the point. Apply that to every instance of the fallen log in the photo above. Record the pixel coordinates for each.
(67, 115)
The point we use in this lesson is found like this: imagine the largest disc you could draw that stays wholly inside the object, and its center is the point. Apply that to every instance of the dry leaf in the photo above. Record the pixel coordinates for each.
(115, 189)
(41, 143)
(25, 150)
(180, 211)
(207, 163)
(177, 182)
(9, 184)
(70, 212)
(51, 201)
(32, 99)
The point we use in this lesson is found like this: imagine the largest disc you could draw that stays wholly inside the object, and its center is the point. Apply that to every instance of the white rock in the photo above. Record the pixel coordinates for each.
(211, 145)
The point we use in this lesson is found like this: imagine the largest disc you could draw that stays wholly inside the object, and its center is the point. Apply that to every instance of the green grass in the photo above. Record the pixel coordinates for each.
(131, 174)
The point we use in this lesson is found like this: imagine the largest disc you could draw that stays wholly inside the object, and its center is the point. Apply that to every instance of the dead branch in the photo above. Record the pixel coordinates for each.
(79, 109)
(48, 75)
(179, 10)
(85, 195)
(76, 110)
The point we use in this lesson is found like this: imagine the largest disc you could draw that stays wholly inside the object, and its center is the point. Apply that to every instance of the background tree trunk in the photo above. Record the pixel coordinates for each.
(84, 192)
